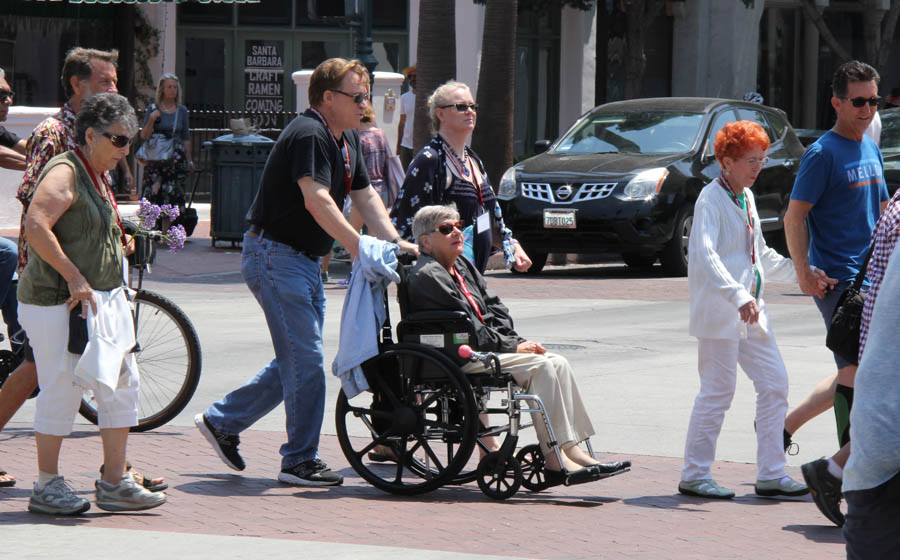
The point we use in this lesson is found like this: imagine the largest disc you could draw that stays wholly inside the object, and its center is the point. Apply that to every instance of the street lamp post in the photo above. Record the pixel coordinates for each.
(361, 20)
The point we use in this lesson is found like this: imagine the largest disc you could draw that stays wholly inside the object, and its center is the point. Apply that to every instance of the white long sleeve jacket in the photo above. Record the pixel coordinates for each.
(720, 271)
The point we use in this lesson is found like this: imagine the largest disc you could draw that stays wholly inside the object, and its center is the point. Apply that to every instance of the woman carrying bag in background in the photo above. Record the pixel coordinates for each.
(166, 149)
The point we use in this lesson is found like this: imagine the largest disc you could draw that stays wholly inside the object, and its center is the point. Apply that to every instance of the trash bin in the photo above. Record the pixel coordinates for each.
(237, 166)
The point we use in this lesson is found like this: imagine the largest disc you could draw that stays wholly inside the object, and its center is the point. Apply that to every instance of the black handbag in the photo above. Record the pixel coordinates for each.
(843, 332)
(78, 331)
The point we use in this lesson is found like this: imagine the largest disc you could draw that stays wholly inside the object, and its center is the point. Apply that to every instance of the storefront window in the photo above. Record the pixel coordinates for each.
(208, 13)
(389, 14)
(318, 12)
(388, 55)
(204, 69)
(270, 12)
(312, 53)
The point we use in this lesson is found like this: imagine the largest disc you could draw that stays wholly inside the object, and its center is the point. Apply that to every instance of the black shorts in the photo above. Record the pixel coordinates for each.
(871, 528)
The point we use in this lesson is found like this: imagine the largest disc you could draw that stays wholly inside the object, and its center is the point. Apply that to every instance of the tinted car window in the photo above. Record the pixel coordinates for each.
(778, 124)
(636, 132)
(890, 132)
(721, 120)
(760, 119)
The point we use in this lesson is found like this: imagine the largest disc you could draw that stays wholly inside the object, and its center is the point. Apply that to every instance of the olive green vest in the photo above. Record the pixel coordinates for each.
(89, 236)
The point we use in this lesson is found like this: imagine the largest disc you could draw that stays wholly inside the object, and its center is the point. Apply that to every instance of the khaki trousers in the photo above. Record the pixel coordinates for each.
(550, 377)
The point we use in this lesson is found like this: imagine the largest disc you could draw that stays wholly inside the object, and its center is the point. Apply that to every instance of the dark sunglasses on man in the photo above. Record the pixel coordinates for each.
(357, 98)
(461, 107)
(6, 95)
(860, 101)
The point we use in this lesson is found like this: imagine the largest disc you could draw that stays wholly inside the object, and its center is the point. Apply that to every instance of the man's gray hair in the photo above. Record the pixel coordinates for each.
(428, 217)
(102, 111)
(438, 98)
(2, 74)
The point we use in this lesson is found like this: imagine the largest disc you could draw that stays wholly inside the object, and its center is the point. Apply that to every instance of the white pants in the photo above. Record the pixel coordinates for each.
(760, 359)
(550, 377)
(47, 328)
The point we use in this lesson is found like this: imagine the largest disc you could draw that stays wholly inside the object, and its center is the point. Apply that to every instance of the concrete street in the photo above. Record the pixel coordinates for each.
(626, 336)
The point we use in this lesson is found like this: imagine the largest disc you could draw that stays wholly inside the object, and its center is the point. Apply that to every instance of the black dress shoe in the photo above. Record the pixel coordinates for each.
(607, 468)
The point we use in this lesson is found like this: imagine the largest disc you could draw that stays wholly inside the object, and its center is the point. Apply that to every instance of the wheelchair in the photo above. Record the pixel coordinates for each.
(425, 410)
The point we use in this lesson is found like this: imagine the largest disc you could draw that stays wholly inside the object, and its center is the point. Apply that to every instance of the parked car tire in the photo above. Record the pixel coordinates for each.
(639, 261)
(538, 260)
(674, 255)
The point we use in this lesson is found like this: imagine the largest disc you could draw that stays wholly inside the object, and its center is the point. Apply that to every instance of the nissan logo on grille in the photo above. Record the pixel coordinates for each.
(564, 192)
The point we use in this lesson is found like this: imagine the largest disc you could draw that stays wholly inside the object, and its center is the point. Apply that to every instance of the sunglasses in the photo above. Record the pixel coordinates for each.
(461, 107)
(357, 97)
(118, 140)
(860, 101)
(447, 229)
(7, 96)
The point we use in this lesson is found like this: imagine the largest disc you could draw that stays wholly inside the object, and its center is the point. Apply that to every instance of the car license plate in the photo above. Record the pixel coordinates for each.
(559, 219)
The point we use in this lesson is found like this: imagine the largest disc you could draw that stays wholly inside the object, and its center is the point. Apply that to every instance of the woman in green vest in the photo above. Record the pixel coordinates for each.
(75, 273)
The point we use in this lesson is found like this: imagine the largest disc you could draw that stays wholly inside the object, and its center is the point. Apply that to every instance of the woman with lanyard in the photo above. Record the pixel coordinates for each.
(728, 267)
(446, 171)
(77, 249)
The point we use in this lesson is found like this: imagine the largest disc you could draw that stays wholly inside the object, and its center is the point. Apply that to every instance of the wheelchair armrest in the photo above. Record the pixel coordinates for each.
(420, 316)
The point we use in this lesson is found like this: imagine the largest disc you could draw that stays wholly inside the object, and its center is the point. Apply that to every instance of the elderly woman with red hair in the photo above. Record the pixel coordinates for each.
(728, 266)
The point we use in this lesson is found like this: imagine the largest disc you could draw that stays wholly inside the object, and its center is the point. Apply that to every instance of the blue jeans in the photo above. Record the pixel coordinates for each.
(826, 308)
(9, 256)
(288, 287)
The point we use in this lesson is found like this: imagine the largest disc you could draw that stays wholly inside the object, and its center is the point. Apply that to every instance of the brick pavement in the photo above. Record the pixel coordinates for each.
(635, 515)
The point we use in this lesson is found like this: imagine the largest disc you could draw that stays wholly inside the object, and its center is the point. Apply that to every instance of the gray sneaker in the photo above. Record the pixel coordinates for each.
(126, 496)
(57, 498)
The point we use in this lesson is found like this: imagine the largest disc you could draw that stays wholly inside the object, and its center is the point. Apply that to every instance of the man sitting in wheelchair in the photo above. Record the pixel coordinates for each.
(444, 280)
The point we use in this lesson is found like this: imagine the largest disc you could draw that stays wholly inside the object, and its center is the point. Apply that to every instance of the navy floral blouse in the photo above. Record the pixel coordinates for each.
(426, 183)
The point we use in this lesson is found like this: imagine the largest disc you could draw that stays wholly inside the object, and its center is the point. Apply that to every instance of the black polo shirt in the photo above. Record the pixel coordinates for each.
(305, 148)
(7, 138)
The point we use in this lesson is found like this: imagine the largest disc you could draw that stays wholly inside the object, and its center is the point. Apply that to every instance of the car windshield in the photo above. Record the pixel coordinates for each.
(633, 132)
(890, 133)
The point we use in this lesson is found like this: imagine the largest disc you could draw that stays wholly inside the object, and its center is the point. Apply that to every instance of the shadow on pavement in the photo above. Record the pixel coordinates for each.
(818, 533)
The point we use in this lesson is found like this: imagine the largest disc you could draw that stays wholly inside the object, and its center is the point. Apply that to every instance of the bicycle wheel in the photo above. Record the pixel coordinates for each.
(168, 358)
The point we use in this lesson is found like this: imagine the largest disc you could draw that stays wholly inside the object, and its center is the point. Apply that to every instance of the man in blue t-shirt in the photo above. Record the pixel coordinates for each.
(839, 193)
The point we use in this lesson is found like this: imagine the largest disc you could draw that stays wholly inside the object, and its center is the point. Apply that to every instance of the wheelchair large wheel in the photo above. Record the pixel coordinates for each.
(423, 410)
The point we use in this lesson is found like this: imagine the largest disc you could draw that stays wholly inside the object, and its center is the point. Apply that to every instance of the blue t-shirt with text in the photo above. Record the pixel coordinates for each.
(844, 181)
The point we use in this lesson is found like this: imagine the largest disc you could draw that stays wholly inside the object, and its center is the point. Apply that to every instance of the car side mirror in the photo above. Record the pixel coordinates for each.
(541, 146)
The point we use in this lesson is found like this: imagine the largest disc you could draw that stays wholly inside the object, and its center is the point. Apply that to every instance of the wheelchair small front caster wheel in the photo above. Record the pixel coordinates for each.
(531, 459)
(499, 485)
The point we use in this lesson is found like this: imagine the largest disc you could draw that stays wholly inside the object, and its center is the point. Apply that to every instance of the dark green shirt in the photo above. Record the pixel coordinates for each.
(89, 236)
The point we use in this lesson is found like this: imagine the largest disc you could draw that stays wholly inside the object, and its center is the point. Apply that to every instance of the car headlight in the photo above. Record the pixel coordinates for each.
(646, 183)
(506, 190)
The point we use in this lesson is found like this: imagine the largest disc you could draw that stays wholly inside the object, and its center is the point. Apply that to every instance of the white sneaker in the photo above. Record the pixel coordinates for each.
(126, 496)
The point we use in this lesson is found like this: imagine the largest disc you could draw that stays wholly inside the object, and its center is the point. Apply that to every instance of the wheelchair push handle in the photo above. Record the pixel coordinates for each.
(488, 359)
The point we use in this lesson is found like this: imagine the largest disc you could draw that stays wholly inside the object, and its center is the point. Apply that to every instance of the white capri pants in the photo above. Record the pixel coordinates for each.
(550, 377)
(760, 359)
(47, 328)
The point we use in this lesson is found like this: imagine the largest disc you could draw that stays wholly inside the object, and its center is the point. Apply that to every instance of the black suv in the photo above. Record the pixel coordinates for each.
(625, 176)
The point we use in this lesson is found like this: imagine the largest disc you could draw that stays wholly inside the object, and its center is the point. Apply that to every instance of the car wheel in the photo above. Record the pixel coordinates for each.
(675, 254)
(538, 260)
(637, 260)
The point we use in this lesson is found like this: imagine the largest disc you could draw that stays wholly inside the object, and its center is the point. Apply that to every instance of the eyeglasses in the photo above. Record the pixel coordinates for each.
(6, 95)
(357, 97)
(447, 229)
(860, 101)
(118, 140)
(753, 162)
(461, 107)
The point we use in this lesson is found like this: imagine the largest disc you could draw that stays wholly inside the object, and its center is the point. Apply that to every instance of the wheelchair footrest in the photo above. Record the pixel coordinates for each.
(581, 476)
